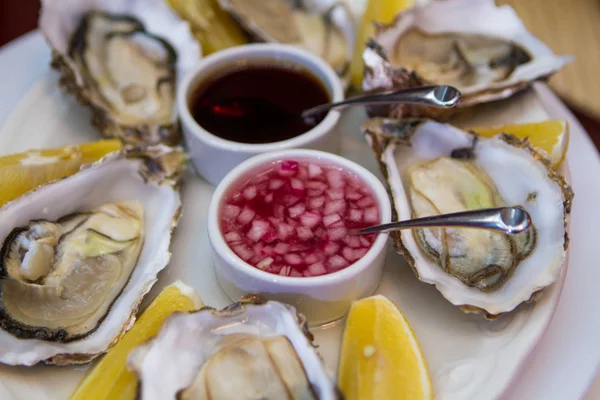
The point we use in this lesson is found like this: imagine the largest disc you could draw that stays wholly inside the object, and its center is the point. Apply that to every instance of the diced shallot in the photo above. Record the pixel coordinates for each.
(285, 271)
(246, 216)
(265, 263)
(331, 219)
(315, 269)
(331, 248)
(304, 233)
(258, 229)
(281, 248)
(250, 192)
(313, 258)
(297, 186)
(365, 242)
(275, 184)
(293, 259)
(310, 219)
(296, 210)
(337, 262)
(295, 273)
(284, 231)
(353, 254)
(352, 241)
(365, 202)
(335, 206)
(335, 194)
(336, 233)
(355, 215)
(230, 212)
(317, 185)
(335, 178)
(288, 168)
(243, 251)
(353, 195)
(348, 253)
(316, 202)
(371, 215)
(314, 170)
(359, 253)
(233, 237)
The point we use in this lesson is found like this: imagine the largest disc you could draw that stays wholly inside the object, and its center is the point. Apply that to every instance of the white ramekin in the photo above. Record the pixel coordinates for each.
(323, 298)
(212, 156)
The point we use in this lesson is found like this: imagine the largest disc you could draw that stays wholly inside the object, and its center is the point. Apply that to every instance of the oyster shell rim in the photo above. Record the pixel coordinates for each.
(379, 143)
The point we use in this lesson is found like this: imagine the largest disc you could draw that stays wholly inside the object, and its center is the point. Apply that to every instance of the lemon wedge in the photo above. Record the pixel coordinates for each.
(550, 136)
(22, 172)
(381, 11)
(381, 358)
(110, 378)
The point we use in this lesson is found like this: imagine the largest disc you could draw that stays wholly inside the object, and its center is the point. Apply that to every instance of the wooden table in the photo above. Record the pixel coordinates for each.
(17, 18)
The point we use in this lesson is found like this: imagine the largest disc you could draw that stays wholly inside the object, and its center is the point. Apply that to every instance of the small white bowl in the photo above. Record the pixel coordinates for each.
(322, 298)
(212, 156)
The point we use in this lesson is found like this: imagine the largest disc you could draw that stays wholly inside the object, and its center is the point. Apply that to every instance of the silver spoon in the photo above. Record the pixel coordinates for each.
(435, 96)
(509, 220)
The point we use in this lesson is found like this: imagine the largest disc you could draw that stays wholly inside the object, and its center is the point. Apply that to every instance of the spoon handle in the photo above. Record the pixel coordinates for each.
(506, 219)
(435, 96)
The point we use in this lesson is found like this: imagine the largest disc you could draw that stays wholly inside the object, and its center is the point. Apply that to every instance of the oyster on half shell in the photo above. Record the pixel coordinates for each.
(433, 168)
(483, 50)
(79, 254)
(324, 27)
(60, 278)
(250, 350)
(112, 60)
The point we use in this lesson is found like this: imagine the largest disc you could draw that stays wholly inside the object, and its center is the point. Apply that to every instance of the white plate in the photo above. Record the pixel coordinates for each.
(468, 357)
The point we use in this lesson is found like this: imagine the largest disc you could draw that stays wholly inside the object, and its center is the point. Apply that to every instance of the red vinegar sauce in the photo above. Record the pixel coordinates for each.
(291, 218)
(258, 103)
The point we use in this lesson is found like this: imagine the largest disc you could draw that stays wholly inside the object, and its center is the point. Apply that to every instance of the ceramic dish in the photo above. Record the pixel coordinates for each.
(212, 156)
(322, 298)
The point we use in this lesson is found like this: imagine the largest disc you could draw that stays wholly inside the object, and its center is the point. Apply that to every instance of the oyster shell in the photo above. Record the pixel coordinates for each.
(79, 254)
(111, 59)
(249, 350)
(483, 50)
(323, 27)
(434, 168)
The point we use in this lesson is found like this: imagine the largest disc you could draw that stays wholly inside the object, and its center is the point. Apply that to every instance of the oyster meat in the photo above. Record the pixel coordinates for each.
(78, 255)
(325, 28)
(249, 350)
(434, 168)
(483, 50)
(111, 62)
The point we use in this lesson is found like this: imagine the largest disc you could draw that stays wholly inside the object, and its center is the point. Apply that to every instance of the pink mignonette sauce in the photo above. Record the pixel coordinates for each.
(291, 218)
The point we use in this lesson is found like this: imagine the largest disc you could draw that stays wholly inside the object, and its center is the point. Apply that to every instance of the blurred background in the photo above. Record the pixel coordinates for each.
(568, 27)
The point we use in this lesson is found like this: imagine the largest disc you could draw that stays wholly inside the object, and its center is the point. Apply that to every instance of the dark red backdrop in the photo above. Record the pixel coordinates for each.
(17, 18)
